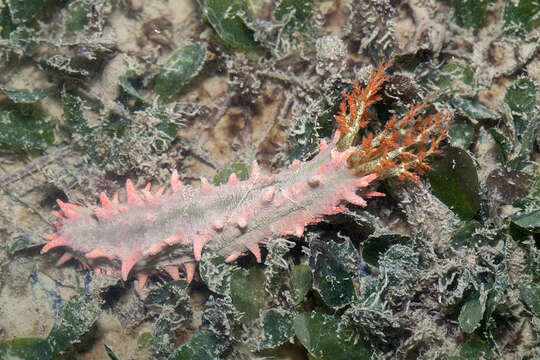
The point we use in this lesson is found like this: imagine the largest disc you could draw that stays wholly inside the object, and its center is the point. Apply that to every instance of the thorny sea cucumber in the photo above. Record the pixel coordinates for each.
(164, 231)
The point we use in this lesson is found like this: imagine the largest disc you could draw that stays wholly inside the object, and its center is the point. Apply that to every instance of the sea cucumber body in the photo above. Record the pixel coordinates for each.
(159, 232)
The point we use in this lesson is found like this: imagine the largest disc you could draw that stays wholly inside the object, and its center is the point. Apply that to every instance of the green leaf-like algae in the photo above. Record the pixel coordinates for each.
(322, 337)
(184, 64)
(247, 292)
(474, 349)
(22, 11)
(298, 10)
(227, 17)
(521, 16)
(330, 276)
(455, 182)
(521, 95)
(24, 132)
(24, 96)
(302, 281)
(472, 313)
(202, 346)
(472, 13)
(530, 293)
(277, 328)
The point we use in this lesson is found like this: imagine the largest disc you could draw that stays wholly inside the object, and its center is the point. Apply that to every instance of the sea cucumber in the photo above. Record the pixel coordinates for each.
(165, 231)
